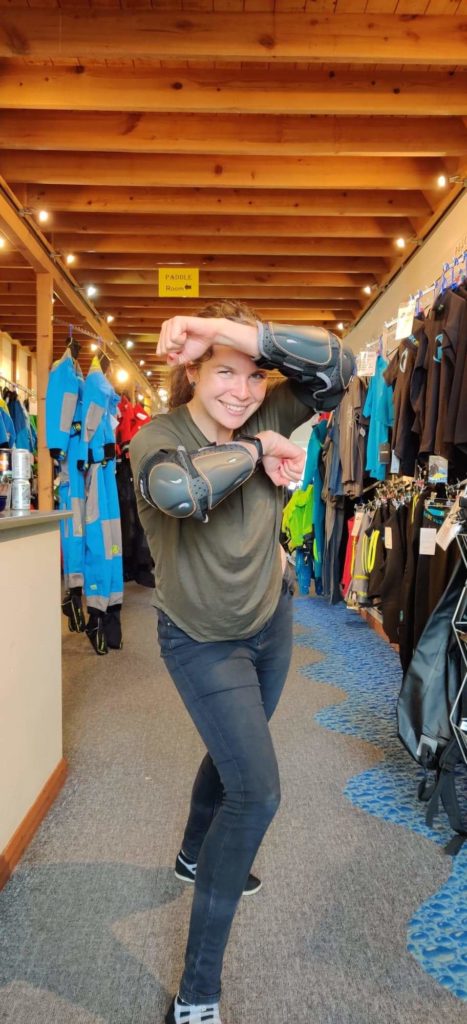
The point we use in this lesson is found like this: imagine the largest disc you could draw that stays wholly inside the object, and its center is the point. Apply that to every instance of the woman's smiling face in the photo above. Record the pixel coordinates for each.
(229, 387)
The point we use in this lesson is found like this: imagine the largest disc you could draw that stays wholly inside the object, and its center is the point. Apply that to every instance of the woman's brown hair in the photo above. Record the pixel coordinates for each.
(180, 388)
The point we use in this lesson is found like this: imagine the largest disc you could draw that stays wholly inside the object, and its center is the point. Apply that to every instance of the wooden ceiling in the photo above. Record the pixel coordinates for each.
(281, 146)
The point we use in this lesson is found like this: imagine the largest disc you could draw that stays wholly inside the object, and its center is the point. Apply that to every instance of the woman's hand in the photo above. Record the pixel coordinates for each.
(184, 339)
(283, 460)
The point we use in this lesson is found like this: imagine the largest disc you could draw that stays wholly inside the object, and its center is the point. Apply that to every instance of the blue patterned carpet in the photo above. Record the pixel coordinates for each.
(365, 666)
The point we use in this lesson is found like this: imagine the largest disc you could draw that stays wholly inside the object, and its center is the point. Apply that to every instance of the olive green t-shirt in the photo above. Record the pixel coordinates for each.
(219, 580)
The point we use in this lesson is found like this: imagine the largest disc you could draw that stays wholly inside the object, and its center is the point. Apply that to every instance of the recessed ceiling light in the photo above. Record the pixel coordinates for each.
(129, 343)
(141, 362)
(367, 289)
(442, 181)
(400, 242)
(70, 258)
(91, 290)
(110, 319)
(43, 216)
(122, 376)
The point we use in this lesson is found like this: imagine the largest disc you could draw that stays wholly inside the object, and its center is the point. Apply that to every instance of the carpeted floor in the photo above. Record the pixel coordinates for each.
(93, 922)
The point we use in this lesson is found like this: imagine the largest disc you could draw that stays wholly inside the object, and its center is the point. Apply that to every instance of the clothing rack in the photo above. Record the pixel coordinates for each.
(74, 329)
(441, 282)
(15, 387)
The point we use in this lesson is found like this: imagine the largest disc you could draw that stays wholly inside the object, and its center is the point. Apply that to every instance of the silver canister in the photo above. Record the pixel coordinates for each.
(21, 495)
(20, 464)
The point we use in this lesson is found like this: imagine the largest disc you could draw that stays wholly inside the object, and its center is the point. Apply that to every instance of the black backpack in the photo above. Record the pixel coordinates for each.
(434, 690)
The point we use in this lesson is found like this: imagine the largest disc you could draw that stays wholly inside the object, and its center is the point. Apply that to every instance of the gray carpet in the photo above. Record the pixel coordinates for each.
(93, 922)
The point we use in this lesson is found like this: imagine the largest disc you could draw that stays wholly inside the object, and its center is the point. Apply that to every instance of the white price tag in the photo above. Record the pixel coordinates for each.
(427, 540)
(388, 537)
(405, 317)
(357, 524)
(366, 363)
(450, 528)
(395, 463)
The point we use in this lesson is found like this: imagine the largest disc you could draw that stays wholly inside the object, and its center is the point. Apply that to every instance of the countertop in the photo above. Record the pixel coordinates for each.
(14, 520)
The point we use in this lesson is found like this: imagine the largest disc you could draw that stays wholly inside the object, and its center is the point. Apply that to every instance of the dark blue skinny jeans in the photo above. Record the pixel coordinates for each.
(230, 689)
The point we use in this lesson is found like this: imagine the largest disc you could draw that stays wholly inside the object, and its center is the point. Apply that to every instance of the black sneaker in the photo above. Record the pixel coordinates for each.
(186, 871)
(183, 1013)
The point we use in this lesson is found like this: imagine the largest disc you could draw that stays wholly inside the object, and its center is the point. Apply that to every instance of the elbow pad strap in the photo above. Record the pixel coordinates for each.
(184, 484)
(312, 357)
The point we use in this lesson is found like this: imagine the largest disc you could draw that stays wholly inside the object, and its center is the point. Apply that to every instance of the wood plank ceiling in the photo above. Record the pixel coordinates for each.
(280, 146)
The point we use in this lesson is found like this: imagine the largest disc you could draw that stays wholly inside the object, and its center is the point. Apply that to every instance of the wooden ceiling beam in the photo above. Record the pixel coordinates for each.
(330, 89)
(263, 263)
(236, 282)
(176, 245)
(277, 313)
(230, 172)
(243, 202)
(213, 292)
(41, 34)
(141, 224)
(232, 134)
(166, 308)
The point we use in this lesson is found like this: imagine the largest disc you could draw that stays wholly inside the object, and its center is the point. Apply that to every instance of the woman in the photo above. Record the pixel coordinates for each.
(209, 479)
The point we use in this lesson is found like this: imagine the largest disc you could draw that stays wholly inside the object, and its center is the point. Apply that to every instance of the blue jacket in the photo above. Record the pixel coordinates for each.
(63, 402)
(100, 404)
(379, 409)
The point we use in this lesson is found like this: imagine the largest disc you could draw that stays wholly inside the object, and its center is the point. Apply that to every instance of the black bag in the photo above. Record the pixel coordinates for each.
(428, 695)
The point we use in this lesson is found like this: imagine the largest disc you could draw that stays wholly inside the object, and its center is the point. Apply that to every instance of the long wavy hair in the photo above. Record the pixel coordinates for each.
(180, 389)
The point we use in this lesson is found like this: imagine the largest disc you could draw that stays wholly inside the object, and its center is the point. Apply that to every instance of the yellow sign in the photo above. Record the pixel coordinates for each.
(179, 282)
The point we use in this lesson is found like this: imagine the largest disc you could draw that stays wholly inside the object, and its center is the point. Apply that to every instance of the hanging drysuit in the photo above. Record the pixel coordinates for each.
(63, 412)
(103, 535)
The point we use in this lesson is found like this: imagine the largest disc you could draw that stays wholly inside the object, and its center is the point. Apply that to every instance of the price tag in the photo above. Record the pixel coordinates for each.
(357, 524)
(405, 317)
(427, 541)
(450, 528)
(388, 537)
(395, 463)
(366, 363)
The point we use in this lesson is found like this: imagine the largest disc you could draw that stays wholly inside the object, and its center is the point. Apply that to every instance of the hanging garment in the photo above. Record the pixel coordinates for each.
(103, 535)
(399, 374)
(137, 561)
(297, 518)
(456, 414)
(358, 590)
(103, 538)
(396, 553)
(379, 409)
(415, 513)
(63, 413)
(432, 573)
(352, 440)
(7, 425)
(349, 561)
(335, 511)
(313, 474)
(19, 415)
(377, 554)
(450, 312)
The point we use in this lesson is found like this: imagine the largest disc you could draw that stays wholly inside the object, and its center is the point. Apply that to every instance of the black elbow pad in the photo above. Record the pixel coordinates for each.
(183, 484)
(312, 357)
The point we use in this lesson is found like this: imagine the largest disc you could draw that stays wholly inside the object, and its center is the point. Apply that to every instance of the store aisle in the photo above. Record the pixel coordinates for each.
(92, 924)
